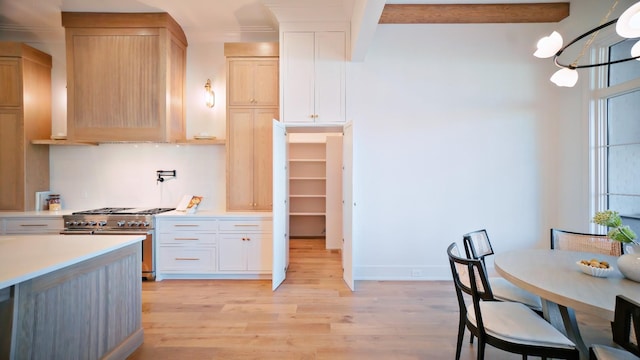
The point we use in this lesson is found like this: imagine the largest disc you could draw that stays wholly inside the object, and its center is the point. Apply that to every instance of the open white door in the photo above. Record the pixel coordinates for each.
(280, 212)
(348, 205)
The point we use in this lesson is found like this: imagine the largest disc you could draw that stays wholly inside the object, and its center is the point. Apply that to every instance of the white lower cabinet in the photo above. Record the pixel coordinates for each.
(186, 246)
(245, 246)
(213, 247)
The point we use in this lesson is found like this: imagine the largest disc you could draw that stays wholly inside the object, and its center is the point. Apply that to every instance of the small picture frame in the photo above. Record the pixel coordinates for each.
(42, 202)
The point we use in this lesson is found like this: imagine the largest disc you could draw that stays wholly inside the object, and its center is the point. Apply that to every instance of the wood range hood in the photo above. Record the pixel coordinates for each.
(474, 13)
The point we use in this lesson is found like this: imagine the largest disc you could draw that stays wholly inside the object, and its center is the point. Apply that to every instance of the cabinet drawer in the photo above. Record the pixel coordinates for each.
(18, 226)
(188, 260)
(243, 226)
(187, 238)
(186, 225)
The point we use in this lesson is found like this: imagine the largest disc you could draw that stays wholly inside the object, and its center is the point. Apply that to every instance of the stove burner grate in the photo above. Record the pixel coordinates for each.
(101, 211)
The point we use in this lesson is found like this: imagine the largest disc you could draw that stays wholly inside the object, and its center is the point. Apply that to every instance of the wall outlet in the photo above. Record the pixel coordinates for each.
(416, 273)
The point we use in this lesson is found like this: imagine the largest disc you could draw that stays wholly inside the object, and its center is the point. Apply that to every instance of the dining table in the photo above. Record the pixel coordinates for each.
(564, 289)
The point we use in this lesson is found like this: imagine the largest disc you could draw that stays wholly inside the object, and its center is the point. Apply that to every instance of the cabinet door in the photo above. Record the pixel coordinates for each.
(232, 253)
(298, 77)
(240, 159)
(10, 80)
(259, 252)
(11, 161)
(253, 82)
(263, 158)
(329, 77)
(241, 82)
(266, 83)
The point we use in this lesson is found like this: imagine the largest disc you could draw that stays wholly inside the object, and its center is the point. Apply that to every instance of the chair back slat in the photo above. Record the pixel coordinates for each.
(477, 244)
(593, 243)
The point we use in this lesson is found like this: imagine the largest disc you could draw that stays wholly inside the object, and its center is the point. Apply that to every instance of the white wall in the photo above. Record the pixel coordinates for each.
(457, 128)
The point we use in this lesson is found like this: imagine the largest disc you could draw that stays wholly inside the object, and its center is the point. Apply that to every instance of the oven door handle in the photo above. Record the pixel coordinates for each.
(76, 232)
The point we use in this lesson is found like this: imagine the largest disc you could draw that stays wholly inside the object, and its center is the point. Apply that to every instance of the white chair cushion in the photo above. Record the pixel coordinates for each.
(506, 291)
(604, 352)
(515, 322)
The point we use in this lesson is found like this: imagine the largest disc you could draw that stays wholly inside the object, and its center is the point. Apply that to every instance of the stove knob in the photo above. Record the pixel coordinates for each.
(145, 224)
(102, 223)
(75, 223)
(83, 223)
(67, 223)
(131, 223)
(92, 223)
(120, 223)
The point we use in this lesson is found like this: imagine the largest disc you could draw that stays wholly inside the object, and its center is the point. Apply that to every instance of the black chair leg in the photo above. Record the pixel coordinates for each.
(471, 338)
(481, 345)
(461, 327)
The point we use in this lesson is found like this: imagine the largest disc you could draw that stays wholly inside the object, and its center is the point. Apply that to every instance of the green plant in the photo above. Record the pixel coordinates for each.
(617, 231)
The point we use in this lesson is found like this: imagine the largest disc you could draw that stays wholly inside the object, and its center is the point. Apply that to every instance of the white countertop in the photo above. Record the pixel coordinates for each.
(36, 214)
(24, 257)
(217, 214)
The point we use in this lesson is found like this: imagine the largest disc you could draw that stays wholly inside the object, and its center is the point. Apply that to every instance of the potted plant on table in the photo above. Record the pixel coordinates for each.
(629, 263)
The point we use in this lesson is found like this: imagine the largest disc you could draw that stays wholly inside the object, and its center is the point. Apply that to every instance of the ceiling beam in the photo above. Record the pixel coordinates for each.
(473, 13)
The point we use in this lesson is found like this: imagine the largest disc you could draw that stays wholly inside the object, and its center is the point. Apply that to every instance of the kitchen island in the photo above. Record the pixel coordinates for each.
(70, 297)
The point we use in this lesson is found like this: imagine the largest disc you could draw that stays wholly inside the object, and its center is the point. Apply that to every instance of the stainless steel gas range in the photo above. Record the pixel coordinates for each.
(119, 221)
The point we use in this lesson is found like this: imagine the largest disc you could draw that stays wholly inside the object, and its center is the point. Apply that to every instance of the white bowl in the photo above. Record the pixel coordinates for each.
(594, 271)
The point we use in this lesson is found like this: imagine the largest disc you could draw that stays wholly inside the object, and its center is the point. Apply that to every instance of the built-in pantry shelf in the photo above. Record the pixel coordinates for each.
(307, 189)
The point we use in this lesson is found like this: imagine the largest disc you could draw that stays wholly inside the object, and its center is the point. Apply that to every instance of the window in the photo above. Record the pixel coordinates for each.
(616, 136)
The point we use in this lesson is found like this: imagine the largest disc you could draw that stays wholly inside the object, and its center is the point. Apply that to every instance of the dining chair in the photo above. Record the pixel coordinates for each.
(627, 314)
(593, 243)
(478, 246)
(509, 326)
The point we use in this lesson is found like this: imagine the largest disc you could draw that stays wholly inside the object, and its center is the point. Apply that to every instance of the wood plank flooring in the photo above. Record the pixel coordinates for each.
(312, 316)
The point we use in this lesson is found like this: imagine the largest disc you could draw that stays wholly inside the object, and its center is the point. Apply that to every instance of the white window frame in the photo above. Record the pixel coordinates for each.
(598, 95)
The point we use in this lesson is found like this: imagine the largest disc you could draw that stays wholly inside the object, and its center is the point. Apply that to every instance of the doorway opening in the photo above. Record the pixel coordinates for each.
(315, 189)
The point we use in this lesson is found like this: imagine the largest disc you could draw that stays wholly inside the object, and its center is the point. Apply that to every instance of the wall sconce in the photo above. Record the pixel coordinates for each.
(209, 95)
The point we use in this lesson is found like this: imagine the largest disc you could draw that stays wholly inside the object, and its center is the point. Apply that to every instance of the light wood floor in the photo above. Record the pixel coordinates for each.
(312, 315)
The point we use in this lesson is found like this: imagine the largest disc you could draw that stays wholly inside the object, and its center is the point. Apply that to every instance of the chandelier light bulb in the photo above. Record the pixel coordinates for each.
(628, 25)
(549, 45)
(565, 77)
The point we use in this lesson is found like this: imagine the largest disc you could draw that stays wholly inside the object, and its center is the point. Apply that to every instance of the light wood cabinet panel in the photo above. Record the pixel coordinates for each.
(125, 77)
(90, 310)
(11, 85)
(314, 73)
(252, 104)
(25, 115)
(254, 82)
(249, 159)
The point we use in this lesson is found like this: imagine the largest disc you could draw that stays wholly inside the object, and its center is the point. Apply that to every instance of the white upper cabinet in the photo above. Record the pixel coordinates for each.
(313, 77)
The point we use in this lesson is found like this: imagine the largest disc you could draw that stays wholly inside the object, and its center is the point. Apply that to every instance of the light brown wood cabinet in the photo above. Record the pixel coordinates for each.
(125, 77)
(255, 82)
(252, 104)
(25, 114)
(249, 159)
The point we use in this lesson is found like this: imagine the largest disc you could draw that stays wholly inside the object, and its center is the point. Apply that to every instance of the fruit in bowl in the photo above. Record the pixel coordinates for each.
(595, 267)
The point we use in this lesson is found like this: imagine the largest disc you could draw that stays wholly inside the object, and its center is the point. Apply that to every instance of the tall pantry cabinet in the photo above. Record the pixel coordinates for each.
(25, 115)
(252, 104)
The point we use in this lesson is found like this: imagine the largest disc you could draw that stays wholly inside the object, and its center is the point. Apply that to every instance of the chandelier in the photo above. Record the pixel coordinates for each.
(627, 26)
